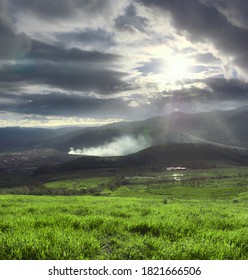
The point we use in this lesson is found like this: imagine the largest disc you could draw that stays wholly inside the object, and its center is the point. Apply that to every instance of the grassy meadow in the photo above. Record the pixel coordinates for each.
(193, 214)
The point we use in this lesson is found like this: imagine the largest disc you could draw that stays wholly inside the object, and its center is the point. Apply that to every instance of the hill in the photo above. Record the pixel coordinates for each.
(188, 155)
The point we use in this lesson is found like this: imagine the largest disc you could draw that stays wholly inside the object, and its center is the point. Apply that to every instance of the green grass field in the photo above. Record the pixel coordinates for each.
(201, 214)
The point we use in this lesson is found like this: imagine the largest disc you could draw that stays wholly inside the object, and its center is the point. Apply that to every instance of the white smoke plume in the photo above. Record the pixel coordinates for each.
(118, 147)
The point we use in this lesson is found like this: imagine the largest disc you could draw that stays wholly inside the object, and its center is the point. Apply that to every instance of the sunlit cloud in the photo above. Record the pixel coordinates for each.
(31, 120)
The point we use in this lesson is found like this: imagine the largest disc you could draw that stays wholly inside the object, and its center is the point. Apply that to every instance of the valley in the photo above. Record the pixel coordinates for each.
(182, 197)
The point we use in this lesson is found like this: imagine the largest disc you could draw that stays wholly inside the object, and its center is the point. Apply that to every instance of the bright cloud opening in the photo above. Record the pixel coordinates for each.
(177, 68)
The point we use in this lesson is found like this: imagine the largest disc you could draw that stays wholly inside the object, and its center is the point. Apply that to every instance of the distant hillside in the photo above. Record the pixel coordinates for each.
(20, 138)
(223, 127)
(188, 155)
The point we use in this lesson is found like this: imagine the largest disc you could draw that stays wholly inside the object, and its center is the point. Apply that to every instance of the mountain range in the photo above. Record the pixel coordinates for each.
(217, 128)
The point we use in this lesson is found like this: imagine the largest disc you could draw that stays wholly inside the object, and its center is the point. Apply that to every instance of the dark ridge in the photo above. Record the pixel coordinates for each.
(188, 155)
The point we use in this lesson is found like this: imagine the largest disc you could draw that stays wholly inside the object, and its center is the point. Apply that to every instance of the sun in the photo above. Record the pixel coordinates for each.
(172, 70)
(176, 68)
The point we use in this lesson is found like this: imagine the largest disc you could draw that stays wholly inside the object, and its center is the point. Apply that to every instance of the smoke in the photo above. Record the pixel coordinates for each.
(118, 147)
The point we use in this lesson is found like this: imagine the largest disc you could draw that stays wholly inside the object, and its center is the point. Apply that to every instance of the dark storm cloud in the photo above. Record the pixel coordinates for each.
(205, 23)
(12, 44)
(51, 9)
(62, 104)
(228, 89)
(72, 69)
(45, 51)
(74, 105)
(130, 21)
(71, 76)
(235, 11)
(95, 38)
(32, 62)
(216, 89)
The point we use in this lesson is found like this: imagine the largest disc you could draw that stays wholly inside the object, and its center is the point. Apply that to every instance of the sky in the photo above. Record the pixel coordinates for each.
(92, 62)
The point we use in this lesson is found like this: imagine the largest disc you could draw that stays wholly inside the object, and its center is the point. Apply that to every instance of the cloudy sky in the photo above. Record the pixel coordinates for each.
(90, 62)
